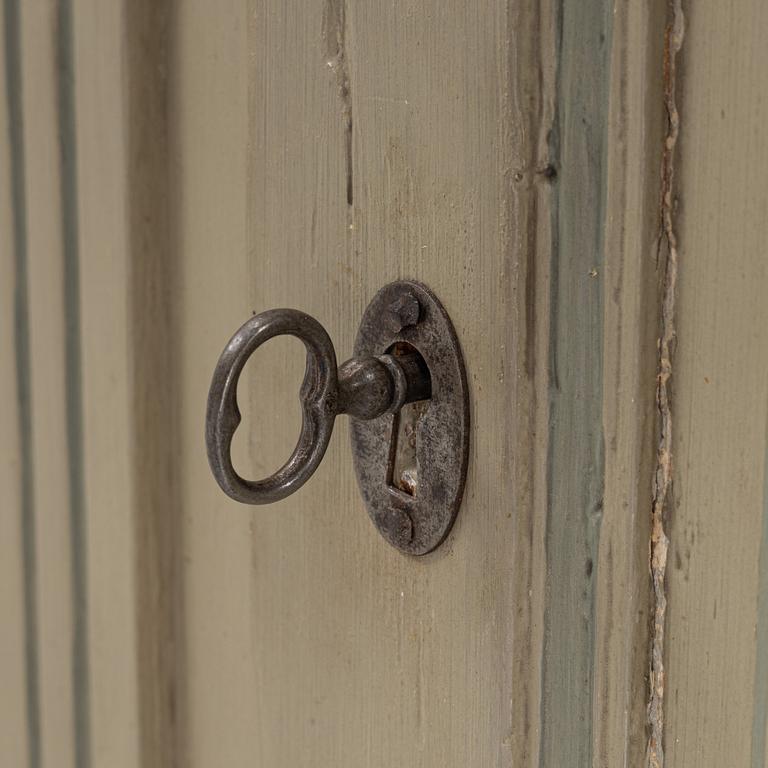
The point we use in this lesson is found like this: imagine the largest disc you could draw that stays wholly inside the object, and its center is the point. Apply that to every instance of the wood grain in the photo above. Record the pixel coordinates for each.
(715, 670)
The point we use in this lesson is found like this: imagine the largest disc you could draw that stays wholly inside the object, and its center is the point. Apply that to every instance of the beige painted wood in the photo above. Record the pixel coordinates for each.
(13, 696)
(107, 354)
(13, 702)
(209, 205)
(232, 157)
(716, 652)
(46, 302)
(309, 641)
(90, 573)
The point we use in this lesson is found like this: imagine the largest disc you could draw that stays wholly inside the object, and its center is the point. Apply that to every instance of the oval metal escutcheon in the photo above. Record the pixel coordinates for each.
(411, 465)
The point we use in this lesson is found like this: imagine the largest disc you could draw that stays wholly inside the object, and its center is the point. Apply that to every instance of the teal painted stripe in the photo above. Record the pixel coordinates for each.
(760, 695)
(77, 511)
(12, 34)
(575, 471)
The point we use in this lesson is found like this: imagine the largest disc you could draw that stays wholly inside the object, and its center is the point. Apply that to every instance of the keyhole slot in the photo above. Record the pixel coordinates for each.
(402, 468)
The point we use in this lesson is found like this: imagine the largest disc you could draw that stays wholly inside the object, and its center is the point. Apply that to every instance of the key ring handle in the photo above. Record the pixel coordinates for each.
(318, 395)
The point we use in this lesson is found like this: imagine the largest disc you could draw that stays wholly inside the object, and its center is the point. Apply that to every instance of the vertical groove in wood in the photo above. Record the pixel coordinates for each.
(155, 280)
(578, 145)
(14, 111)
(17, 731)
(73, 383)
(49, 363)
(527, 84)
(96, 48)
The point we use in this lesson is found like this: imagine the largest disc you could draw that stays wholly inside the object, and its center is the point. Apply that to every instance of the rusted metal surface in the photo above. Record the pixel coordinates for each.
(406, 352)
(319, 396)
(415, 510)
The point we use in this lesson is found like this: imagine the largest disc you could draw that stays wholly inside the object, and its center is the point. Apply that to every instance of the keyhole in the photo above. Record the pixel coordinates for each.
(403, 470)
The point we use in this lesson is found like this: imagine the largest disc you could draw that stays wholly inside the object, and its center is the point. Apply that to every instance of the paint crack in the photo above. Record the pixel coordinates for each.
(334, 39)
(662, 484)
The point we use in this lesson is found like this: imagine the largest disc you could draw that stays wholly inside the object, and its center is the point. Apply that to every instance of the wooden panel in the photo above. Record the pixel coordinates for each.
(429, 639)
(18, 670)
(716, 672)
(49, 383)
(193, 163)
(417, 141)
(99, 300)
(330, 647)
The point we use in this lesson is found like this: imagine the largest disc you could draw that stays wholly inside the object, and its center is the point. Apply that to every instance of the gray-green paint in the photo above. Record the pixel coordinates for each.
(68, 182)
(578, 142)
(11, 46)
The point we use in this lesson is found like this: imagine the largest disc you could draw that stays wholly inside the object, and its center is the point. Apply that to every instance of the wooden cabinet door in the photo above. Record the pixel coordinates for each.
(593, 222)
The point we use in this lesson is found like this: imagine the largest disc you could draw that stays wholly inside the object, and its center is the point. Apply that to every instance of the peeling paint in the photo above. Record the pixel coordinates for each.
(662, 484)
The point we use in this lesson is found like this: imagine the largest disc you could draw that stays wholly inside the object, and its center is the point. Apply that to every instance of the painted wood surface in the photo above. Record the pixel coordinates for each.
(19, 711)
(50, 337)
(63, 265)
(634, 138)
(471, 149)
(167, 169)
(400, 661)
(716, 638)
(94, 125)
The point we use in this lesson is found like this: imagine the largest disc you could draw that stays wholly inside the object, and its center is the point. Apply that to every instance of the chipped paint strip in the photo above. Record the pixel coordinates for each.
(662, 483)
